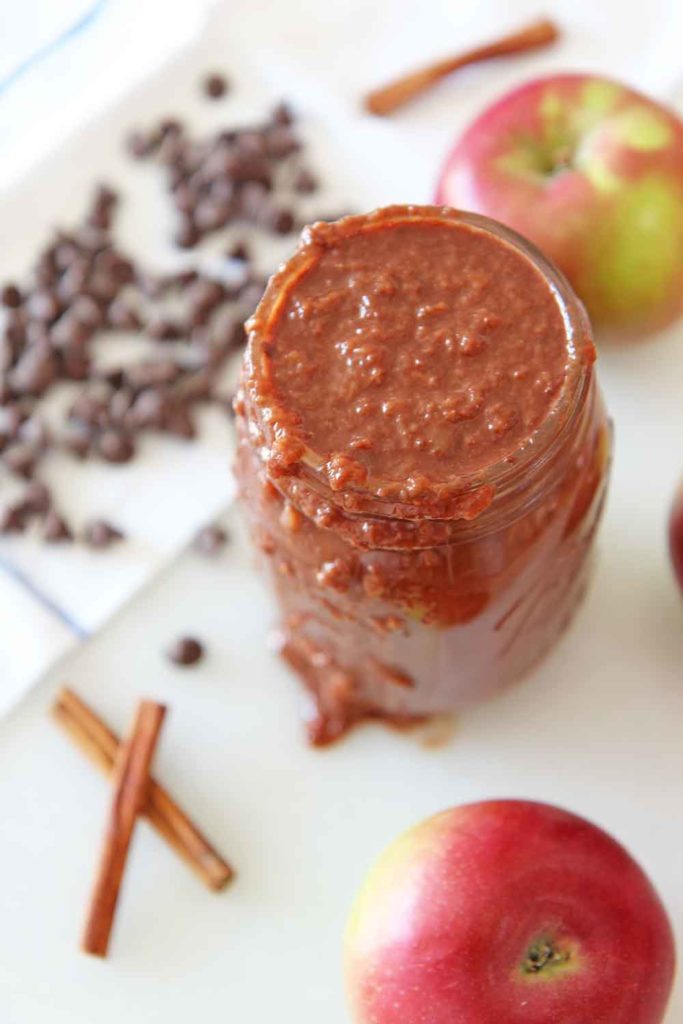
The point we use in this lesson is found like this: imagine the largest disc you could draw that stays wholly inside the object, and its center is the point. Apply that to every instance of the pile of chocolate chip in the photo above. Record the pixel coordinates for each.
(234, 176)
(83, 286)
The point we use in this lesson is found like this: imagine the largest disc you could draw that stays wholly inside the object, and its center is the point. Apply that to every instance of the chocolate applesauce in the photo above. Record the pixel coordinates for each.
(423, 455)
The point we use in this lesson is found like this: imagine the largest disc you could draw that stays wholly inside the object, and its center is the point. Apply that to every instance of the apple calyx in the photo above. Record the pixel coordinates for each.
(548, 957)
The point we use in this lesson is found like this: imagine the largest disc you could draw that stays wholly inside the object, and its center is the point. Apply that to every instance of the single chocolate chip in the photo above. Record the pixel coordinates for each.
(74, 363)
(76, 439)
(209, 215)
(12, 519)
(120, 404)
(34, 431)
(74, 280)
(36, 499)
(44, 305)
(106, 196)
(90, 410)
(281, 221)
(210, 540)
(148, 409)
(160, 328)
(170, 126)
(35, 370)
(103, 285)
(70, 332)
(123, 317)
(100, 217)
(45, 272)
(178, 421)
(282, 114)
(186, 651)
(305, 181)
(21, 460)
(187, 235)
(115, 446)
(101, 534)
(11, 296)
(140, 145)
(85, 310)
(281, 142)
(253, 200)
(55, 528)
(215, 86)
(240, 252)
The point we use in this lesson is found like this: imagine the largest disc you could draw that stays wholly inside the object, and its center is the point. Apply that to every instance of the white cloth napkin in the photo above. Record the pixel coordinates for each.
(138, 61)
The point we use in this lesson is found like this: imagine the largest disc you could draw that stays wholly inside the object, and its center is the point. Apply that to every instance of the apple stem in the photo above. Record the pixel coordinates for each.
(541, 954)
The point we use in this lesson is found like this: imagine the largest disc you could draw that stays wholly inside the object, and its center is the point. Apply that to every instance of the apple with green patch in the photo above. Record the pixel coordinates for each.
(508, 912)
(591, 171)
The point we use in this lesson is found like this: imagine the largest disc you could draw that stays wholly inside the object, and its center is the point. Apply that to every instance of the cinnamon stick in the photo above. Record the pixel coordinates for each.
(390, 97)
(94, 738)
(131, 781)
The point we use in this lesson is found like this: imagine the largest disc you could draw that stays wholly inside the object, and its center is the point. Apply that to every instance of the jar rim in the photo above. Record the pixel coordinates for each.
(462, 496)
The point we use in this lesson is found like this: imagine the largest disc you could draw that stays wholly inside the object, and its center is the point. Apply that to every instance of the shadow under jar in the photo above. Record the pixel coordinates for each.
(423, 455)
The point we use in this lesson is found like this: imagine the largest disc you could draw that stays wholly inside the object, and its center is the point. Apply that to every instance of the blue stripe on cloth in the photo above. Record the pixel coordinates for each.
(42, 599)
(53, 46)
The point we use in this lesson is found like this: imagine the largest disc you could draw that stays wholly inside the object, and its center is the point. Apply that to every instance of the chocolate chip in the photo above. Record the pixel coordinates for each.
(21, 460)
(11, 296)
(210, 540)
(160, 328)
(178, 421)
(35, 370)
(305, 181)
(282, 114)
(74, 363)
(281, 142)
(34, 431)
(140, 145)
(120, 405)
(281, 221)
(123, 317)
(115, 446)
(69, 331)
(44, 305)
(74, 280)
(89, 410)
(240, 252)
(12, 519)
(148, 409)
(56, 529)
(76, 439)
(36, 499)
(215, 86)
(187, 235)
(152, 373)
(101, 534)
(186, 651)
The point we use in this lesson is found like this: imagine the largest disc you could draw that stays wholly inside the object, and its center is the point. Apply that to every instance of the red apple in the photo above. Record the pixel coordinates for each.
(508, 912)
(592, 172)
(676, 535)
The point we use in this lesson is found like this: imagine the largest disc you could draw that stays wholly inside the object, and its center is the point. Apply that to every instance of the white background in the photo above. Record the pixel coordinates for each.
(597, 728)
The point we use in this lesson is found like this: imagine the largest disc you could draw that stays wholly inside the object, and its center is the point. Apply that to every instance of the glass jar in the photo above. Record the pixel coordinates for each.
(400, 606)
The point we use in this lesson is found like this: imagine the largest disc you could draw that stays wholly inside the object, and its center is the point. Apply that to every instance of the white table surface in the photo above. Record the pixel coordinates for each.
(596, 729)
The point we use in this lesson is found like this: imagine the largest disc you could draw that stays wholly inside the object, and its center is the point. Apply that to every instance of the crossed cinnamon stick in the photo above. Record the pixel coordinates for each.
(135, 793)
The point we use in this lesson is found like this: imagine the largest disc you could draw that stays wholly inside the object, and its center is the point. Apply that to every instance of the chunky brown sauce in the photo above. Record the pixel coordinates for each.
(423, 455)
(430, 349)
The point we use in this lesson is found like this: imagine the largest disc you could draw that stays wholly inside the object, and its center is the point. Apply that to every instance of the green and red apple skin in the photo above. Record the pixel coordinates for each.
(591, 172)
(508, 912)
